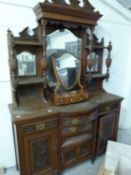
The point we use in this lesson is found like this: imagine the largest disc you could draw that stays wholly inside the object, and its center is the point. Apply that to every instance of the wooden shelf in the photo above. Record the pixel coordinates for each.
(95, 47)
(29, 80)
(27, 43)
(95, 75)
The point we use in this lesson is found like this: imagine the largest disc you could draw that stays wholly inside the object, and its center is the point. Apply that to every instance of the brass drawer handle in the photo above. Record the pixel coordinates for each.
(75, 121)
(73, 129)
(40, 126)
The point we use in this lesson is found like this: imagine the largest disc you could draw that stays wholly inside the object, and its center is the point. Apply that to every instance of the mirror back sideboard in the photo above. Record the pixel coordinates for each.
(61, 114)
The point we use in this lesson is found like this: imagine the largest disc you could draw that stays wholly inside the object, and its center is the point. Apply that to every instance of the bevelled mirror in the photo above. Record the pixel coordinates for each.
(26, 64)
(64, 62)
(67, 73)
(65, 48)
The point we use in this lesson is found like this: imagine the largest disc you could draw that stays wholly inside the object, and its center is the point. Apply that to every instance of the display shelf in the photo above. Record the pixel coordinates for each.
(26, 42)
(29, 80)
(96, 47)
(95, 75)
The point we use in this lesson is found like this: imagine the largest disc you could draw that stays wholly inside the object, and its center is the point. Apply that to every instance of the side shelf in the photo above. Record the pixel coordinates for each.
(29, 80)
(89, 76)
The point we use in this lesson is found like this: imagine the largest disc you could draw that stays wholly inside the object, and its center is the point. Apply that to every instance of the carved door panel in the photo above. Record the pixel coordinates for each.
(69, 156)
(85, 149)
(76, 153)
(40, 153)
(107, 125)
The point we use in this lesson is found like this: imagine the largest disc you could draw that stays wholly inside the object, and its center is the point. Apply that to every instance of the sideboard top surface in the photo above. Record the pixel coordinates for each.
(39, 110)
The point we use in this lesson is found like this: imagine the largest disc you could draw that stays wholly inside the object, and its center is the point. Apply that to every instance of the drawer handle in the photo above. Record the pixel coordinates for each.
(73, 129)
(75, 122)
(40, 127)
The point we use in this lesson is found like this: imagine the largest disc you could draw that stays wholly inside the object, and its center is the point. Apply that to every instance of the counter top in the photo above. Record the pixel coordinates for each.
(46, 109)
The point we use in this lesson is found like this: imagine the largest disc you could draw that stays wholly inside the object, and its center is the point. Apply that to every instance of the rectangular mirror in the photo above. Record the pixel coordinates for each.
(26, 64)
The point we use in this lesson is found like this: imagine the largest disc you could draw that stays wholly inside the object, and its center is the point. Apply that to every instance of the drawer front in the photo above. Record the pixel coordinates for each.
(67, 131)
(109, 108)
(39, 126)
(79, 120)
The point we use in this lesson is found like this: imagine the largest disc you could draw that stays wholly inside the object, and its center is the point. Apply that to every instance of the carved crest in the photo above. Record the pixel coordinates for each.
(62, 2)
(87, 6)
(24, 34)
(73, 3)
(72, 12)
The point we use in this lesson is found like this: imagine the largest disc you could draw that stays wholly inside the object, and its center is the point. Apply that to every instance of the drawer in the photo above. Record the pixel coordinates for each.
(79, 120)
(109, 108)
(39, 126)
(68, 131)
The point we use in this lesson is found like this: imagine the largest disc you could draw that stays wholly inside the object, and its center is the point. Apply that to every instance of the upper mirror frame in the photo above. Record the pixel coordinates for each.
(72, 16)
(55, 51)
(76, 92)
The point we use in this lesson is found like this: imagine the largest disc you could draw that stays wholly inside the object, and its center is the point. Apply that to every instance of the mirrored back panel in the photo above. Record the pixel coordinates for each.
(65, 48)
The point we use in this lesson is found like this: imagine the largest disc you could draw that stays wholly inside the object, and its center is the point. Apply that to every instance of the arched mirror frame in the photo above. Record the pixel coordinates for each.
(74, 95)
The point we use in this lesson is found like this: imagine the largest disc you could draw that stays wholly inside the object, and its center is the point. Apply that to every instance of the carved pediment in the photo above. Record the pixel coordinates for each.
(74, 11)
(73, 3)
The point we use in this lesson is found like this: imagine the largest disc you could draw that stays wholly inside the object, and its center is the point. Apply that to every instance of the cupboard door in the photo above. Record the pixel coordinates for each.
(106, 131)
(76, 153)
(40, 153)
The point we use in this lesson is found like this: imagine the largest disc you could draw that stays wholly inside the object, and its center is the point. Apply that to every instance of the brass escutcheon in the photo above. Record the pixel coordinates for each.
(73, 129)
(40, 126)
(75, 121)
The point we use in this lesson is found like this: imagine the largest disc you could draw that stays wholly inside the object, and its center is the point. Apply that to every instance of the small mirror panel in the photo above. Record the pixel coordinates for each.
(26, 64)
(93, 64)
